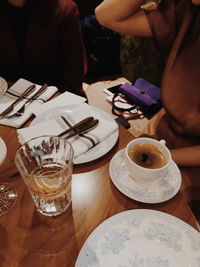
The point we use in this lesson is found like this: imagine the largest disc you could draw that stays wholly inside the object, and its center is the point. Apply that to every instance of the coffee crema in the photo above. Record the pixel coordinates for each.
(147, 156)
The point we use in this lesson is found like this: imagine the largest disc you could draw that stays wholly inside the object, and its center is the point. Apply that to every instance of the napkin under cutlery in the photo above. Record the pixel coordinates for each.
(17, 89)
(64, 99)
(56, 126)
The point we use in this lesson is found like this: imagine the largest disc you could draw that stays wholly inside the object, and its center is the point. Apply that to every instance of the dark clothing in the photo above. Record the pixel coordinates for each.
(48, 48)
(18, 17)
(87, 7)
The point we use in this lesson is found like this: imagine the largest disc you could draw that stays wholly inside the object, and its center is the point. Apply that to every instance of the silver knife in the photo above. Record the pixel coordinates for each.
(38, 93)
(81, 127)
(75, 126)
(18, 100)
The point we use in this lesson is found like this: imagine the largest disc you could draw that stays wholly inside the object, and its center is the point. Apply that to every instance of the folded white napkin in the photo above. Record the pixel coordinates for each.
(64, 99)
(18, 88)
(56, 126)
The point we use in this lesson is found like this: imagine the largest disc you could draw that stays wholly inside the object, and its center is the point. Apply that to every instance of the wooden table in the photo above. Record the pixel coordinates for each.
(28, 238)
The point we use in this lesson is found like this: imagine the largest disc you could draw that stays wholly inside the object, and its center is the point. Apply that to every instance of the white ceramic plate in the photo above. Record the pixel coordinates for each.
(3, 86)
(151, 193)
(94, 153)
(141, 238)
(3, 150)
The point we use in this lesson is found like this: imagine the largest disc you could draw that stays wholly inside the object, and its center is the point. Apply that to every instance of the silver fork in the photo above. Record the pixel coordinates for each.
(18, 100)
(20, 112)
(81, 127)
(86, 125)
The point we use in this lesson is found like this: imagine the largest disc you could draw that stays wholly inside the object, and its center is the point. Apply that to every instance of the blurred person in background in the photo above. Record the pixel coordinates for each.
(41, 41)
(175, 26)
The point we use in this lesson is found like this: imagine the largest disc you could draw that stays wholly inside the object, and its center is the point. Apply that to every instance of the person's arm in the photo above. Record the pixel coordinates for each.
(186, 156)
(123, 16)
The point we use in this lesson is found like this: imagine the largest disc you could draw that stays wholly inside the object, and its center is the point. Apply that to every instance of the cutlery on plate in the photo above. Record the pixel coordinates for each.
(29, 90)
(84, 129)
(77, 125)
(20, 112)
(81, 127)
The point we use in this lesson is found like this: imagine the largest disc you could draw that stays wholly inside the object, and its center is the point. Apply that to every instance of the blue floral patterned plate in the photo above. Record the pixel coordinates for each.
(141, 238)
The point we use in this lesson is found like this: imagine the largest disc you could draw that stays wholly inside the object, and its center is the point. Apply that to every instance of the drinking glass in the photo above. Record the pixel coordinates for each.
(8, 194)
(46, 164)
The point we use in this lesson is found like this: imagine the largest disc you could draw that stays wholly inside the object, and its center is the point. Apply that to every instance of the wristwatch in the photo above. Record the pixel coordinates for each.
(151, 5)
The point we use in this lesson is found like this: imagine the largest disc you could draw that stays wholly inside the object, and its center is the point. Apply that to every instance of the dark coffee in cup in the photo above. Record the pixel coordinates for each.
(147, 156)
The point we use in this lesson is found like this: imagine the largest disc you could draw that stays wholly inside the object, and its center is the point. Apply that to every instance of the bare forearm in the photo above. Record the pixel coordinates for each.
(117, 9)
(124, 16)
(186, 156)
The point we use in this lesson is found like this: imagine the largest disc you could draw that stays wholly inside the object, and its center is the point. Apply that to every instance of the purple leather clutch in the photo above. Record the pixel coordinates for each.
(152, 90)
(142, 93)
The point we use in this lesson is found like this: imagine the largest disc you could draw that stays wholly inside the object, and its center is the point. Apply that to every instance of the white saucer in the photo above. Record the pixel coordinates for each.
(151, 193)
(3, 150)
(3, 86)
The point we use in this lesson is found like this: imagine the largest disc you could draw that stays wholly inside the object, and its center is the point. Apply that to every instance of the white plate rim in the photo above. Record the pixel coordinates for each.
(3, 150)
(3, 86)
(134, 197)
(109, 142)
(166, 218)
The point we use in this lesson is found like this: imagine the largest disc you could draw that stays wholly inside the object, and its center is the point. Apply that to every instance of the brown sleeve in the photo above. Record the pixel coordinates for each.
(165, 22)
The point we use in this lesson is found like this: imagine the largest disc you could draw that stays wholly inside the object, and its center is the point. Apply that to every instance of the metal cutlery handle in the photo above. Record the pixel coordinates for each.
(38, 93)
(83, 129)
(77, 125)
(80, 127)
(19, 99)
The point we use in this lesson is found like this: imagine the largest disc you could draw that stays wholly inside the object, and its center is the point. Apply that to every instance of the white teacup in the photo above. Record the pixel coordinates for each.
(147, 174)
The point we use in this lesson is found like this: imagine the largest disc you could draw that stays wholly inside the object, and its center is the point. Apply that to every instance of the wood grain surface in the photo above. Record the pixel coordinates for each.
(28, 238)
